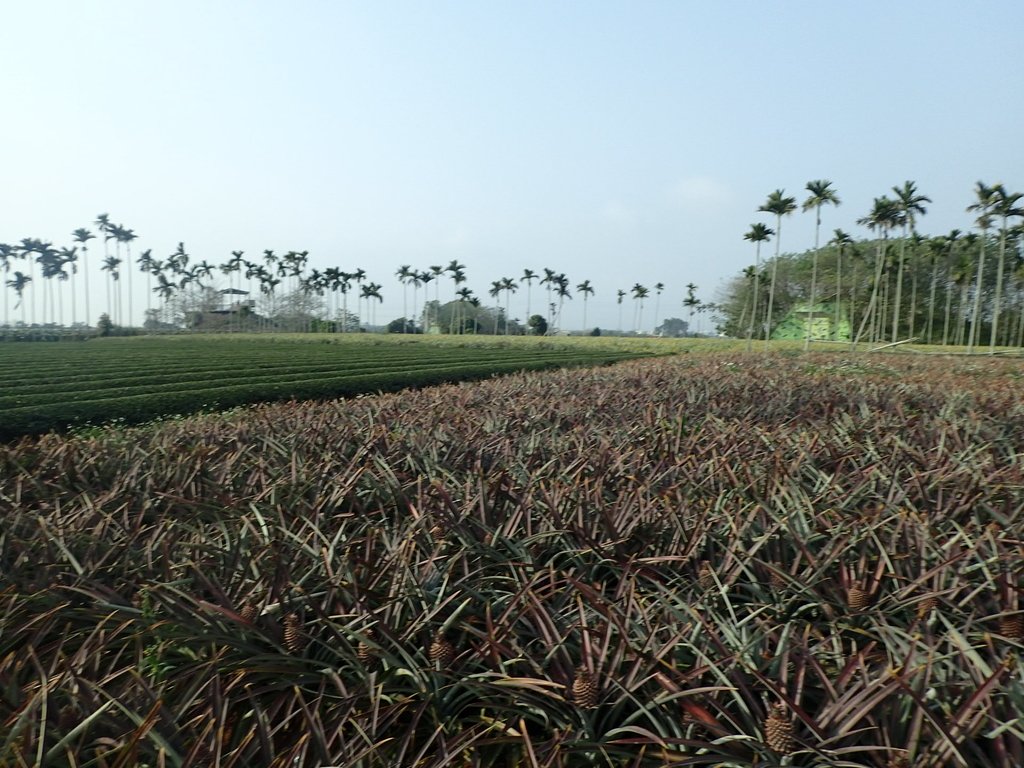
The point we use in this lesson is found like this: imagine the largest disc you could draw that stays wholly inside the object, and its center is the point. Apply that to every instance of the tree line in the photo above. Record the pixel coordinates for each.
(895, 284)
(48, 287)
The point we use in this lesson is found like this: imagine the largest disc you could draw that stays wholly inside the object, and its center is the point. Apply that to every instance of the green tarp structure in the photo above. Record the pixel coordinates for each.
(821, 319)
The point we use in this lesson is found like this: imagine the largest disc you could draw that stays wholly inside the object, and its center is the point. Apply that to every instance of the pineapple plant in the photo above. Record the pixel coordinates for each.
(1011, 625)
(365, 652)
(778, 730)
(249, 613)
(441, 651)
(293, 639)
(584, 688)
(857, 598)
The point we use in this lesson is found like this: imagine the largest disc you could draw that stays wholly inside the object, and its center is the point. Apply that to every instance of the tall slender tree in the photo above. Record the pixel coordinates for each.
(404, 273)
(841, 241)
(585, 289)
(640, 293)
(128, 236)
(910, 204)
(691, 302)
(620, 295)
(371, 291)
(936, 249)
(68, 267)
(950, 243)
(110, 266)
(103, 229)
(458, 276)
(1006, 206)
(658, 288)
(562, 291)
(758, 233)
(50, 267)
(509, 286)
(821, 193)
(344, 285)
(549, 282)
(82, 236)
(18, 284)
(779, 205)
(985, 205)
(426, 277)
(528, 277)
(884, 216)
(28, 249)
(7, 256)
(416, 278)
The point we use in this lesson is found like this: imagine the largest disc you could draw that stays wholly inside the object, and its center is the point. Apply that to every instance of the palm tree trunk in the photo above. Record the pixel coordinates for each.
(853, 300)
(945, 322)
(899, 286)
(771, 289)
(913, 295)
(975, 336)
(128, 269)
(931, 302)
(74, 308)
(757, 283)
(961, 310)
(1020, 327)
(85, 279)
(870, 311)
(814, 281)
(839, 292)
(998, 299)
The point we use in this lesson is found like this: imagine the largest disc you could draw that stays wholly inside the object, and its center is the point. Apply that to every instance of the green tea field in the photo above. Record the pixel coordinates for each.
(53, 386)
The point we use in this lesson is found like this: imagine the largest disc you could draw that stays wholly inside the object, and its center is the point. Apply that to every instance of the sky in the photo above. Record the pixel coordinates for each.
(616, 142)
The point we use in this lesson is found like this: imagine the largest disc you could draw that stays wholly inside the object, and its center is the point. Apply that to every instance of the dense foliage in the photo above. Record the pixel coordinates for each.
(940, 283)
(717, 561)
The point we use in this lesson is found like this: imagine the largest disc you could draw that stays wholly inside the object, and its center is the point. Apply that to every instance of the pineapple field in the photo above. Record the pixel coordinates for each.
(718, 560)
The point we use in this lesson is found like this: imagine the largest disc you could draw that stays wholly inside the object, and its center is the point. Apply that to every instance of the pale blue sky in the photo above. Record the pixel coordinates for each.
(619, 142)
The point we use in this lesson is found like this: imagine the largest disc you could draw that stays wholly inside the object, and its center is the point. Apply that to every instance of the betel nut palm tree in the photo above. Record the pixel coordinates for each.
(528, 277)
(658, 288)
(585, 289)
(885, 215)
(985, 205)
(404, 274)
(779, 205)
(18, 284)
(841, 241)
(691, 302)
(820, 193)
(910, 204)
(509, 286)
(640, 293)
(82, 236)
(1006, 206)
(758, 233)
(7, 256)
